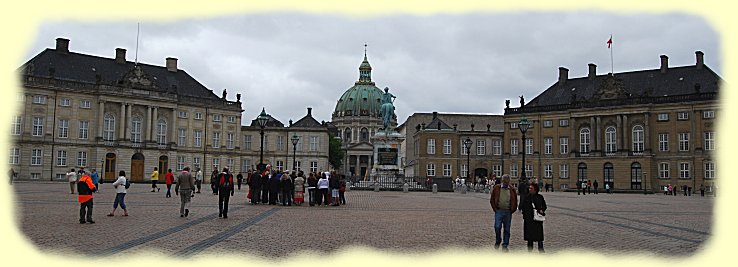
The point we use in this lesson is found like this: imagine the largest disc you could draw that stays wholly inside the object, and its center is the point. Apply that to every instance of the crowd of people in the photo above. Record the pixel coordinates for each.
(287, 188)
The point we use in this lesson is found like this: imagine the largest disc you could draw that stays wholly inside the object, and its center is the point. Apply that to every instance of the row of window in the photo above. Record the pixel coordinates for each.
(608, 170)
(684, 115)
(37, 157)
(364, 134)
(479, 145)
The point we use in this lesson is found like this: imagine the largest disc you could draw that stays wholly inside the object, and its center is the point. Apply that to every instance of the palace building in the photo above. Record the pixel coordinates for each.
(636, 131)
(80, 110)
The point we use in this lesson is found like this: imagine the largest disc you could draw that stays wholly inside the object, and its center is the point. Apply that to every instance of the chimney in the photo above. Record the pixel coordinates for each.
(700, 59)
(120, 55)
(592, 71)
(563, 75)
(290, 123)
(62, 45)
(435, 114)
(472, 127)
(664, 63)
(310, 112)
(172, 64)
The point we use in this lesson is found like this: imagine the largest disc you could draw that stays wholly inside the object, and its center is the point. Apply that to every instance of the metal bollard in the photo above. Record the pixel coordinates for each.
(405, 188)
(463, 189)
(435, 188)
(376, 187)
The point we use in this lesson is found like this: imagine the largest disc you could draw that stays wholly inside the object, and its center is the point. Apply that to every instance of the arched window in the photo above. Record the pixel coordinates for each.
(364, 135)
(136, 129)
(637, 139)
(635, 176)
(584, 141)
(347, 135)
(610, 140)
(109, 127)
(608, 174)
(582, 172)
(161, 132)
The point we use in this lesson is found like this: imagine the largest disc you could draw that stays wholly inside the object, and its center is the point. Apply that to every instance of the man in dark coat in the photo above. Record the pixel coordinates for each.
(214, 181)
(274, 188)
(225, 191)
(265, 185)
(532, 229)
(239, 178)
(255, 187)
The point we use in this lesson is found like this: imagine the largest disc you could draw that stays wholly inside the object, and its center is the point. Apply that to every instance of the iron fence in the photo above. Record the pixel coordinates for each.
(396, 182)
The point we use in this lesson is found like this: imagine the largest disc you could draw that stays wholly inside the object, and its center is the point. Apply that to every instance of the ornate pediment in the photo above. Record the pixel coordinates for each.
(611, 88)
(137, 78)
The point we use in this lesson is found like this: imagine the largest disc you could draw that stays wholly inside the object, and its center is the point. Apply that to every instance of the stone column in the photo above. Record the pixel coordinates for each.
(147, 132)
(100, 119)
(128, 120)
(619, 137)
(646, 133)
(122, 131)
(598, 137)
(574, 144)
(154, 123)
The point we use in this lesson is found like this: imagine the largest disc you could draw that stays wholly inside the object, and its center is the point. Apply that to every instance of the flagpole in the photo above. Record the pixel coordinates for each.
(612, 68)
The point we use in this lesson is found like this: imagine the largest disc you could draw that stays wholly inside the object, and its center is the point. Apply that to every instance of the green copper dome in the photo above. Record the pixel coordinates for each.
(362, 99)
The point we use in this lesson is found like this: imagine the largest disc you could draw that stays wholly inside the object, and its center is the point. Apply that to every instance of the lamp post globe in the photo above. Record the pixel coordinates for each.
(262, 120)
(295, 140)
(523, 125)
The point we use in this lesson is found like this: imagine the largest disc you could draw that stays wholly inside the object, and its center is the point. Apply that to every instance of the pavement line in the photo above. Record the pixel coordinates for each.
(154, 236)
(627, 226)
(202, 245)
(657, 224)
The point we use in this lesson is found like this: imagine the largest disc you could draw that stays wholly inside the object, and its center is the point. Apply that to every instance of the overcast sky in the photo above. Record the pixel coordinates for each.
(467, 63)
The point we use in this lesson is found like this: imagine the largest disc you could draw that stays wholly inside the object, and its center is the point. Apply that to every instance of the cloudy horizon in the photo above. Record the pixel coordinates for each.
(466, 63)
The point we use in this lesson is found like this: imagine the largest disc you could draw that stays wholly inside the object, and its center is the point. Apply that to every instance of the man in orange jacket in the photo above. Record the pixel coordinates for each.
(85, 187)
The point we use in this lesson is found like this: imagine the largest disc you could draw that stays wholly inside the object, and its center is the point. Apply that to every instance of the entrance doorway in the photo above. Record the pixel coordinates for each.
(163, 164)
(480, 172)
(109, 174)
(137, 167)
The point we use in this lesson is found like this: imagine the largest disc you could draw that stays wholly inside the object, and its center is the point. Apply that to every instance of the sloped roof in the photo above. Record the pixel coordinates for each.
(307, 122)
(437, 124)
(272, 122)
(84, 68)
(684, 80)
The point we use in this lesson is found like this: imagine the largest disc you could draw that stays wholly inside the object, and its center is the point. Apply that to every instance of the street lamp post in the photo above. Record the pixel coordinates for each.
(467, 145)
(295, 139)
(262, 120)
(643, 182)
(523, 183)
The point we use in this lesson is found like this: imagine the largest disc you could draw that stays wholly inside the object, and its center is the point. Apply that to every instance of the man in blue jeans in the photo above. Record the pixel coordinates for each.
(504, 202)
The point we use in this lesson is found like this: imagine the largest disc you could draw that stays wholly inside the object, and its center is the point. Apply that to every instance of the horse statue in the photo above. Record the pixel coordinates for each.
(387, 109)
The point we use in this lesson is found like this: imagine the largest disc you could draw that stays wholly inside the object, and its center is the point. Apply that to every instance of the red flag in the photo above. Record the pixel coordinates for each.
(609, 42)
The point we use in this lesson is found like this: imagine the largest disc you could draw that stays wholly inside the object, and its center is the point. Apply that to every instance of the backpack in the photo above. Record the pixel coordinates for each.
(128, 183)
(226, 181)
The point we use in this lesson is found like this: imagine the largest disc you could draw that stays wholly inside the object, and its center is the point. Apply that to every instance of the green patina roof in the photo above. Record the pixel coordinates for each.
(362, 99)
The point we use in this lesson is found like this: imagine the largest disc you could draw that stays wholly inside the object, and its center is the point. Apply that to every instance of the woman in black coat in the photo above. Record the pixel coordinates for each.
(532, 229)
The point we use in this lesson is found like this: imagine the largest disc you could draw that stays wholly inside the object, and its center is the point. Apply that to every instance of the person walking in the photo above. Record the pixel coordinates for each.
(225, 191)
(184, 188)
(169, 179)
(154, 180)
(198, 180)
(595, 184)
(312, 187)
(286, 185)
(239, 179)
(120, 194)
(589, 187)
(95, 179)
(214, 181)
(323, 189)
(702, 190)
(72, 178)
(255, 187)
(12, 175)
(334, 185)
(85, 187)
(532, 229)
(684, 189)
(607, 188)
(299, 189)
(342, 190)
(504, 202)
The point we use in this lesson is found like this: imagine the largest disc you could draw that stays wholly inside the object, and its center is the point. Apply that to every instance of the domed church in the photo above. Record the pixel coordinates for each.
(357, 118)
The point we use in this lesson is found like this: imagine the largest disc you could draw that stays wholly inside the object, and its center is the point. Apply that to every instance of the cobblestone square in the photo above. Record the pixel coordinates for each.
(416, 222)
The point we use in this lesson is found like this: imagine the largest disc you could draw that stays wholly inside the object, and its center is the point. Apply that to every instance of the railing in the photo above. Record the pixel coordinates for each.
(395, 183)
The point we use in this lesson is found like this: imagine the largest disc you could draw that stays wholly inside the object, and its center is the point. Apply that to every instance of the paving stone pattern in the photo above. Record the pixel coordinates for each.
(416, 222)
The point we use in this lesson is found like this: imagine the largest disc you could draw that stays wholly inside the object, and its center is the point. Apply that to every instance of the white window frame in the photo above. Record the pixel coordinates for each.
(181, 160)
(663, 142)
(497, 170)
(496, 147)
(431, 169)
(37, 157)
(280, 143)
(38, 126)
(83, 131)
(109, 127)
(611, 145)
(63, 129)
(196, 162)
(216, 117)
(584, 141)
(230, 141)
(683, 141)
(14, 156)
(446, 170)
(709, 140)
(314, 141)
(464, 170)
(514, 125)
(197, 138)
(61, 158)
(529, 146)
(662, 117)
(216, 140)
(431, 149)
(182, 114)
(708, 114)
(481, 147)
(684, 170)
(16, 127)
(563, 145)
(514, 169)
(35, 176)
(547, 123)
(709, 170)
(229, 165)
(638, 138)
(216, 164)
(181, 137)
(683, 116)
(82, 158)
(548, 145)
(664, 170)
(198, 115)
(564, 171)
(280, 165)
(563, 123)
(547, 171)
(247, 142)
(528, 170)
(39, 99)
(161, 132)
(65, 102)
(447, 146)
(85, 104)
(136, 129)
(514, 146)
(313, 166)
(231, 119)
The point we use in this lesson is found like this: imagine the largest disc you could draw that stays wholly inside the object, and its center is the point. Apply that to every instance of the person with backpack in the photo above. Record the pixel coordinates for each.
(225, 191)
(85, 187)
(184, 188)
(121, 185)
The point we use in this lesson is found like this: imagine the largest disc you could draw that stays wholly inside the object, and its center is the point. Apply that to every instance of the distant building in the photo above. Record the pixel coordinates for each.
(639, 130)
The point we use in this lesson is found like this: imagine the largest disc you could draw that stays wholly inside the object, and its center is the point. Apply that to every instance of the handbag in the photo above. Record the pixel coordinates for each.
(536, 216)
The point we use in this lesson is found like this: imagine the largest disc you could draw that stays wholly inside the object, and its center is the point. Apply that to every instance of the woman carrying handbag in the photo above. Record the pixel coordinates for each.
(534, 211)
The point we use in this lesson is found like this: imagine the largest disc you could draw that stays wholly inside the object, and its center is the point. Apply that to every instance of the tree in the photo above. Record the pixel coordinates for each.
(335, 153)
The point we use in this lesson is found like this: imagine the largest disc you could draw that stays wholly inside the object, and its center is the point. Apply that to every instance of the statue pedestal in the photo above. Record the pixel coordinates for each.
(387, 154)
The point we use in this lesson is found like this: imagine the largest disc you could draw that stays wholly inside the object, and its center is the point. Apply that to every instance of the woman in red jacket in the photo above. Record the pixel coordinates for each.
(169, 179)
